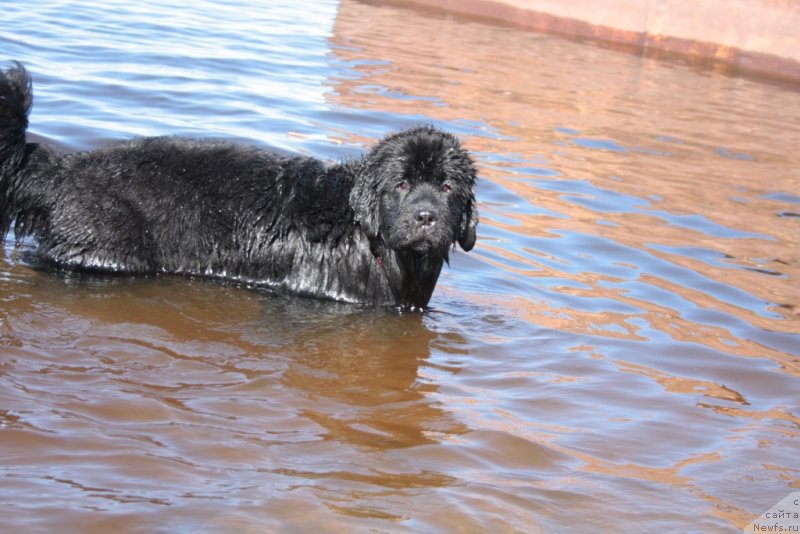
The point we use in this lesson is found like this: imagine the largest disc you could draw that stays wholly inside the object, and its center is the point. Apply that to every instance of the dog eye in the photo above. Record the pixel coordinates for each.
(402, 186)
(445, 188)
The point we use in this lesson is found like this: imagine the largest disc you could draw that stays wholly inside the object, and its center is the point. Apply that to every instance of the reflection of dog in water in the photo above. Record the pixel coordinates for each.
(375, 230)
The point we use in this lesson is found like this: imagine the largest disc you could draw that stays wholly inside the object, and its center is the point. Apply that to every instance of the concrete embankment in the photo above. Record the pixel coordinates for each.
(757, 36)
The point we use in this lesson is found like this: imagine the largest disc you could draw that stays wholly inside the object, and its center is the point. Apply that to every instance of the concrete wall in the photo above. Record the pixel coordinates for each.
(760, 36)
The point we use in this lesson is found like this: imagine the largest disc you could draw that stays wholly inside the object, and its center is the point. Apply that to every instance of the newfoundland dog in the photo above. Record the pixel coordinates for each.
(375, 230)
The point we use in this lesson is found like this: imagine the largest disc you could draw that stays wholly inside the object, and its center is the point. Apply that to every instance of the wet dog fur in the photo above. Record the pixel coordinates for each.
(374, 230)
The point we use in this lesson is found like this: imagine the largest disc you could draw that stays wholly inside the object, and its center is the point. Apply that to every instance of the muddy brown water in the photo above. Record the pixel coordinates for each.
(620, 352)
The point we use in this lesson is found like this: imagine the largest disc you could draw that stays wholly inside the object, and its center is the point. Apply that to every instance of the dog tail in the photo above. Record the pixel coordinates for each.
(16, 97)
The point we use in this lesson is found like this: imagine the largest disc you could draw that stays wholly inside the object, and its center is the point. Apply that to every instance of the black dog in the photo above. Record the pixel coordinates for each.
(373, 231)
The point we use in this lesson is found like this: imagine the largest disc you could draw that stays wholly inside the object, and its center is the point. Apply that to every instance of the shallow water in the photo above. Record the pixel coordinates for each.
(620, 352)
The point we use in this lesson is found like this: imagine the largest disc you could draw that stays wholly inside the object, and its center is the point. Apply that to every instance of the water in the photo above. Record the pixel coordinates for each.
(619, 353)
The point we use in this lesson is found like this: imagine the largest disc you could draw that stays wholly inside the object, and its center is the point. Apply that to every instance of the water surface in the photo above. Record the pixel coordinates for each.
(618, 353)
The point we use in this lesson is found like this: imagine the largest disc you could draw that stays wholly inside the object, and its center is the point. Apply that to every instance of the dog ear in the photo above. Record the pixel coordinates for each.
(364, 201)
(467, 228)
(467, 231)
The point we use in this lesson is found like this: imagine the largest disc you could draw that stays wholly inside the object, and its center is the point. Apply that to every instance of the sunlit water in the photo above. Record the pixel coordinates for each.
(619, 353)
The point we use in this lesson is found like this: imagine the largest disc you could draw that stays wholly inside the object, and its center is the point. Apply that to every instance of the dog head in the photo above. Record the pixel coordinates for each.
(416, 191)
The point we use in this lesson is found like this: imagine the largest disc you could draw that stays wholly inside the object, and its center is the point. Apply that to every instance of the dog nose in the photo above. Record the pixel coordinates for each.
(426, 217)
